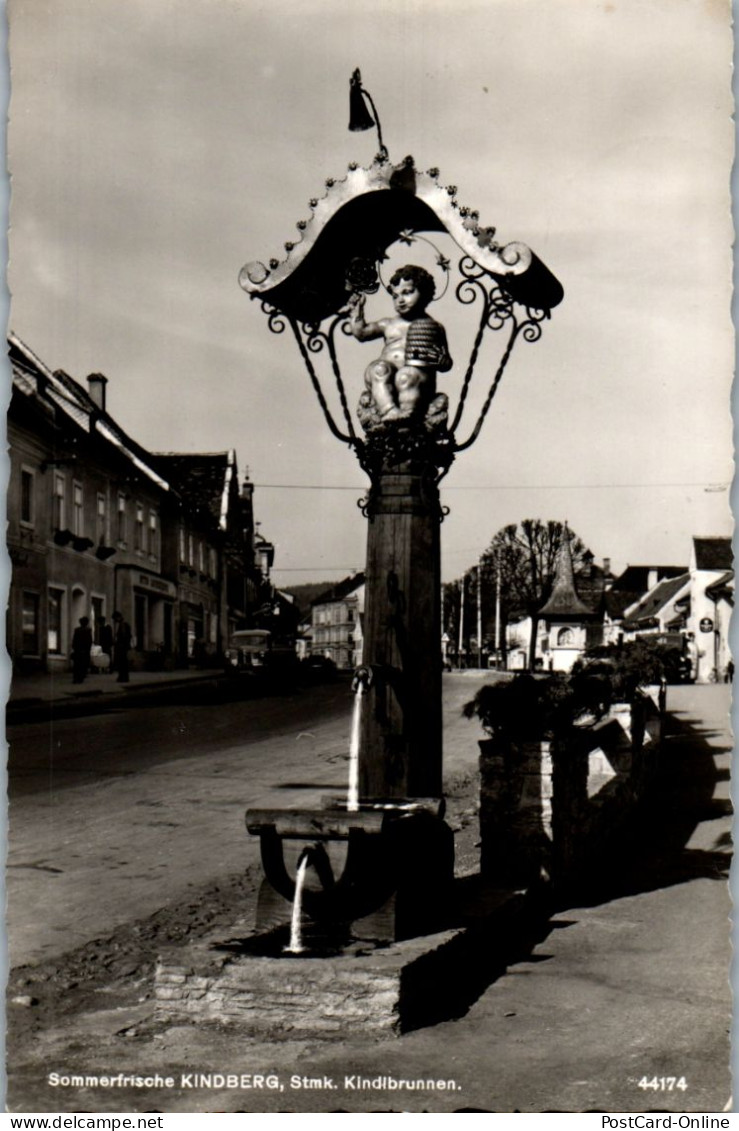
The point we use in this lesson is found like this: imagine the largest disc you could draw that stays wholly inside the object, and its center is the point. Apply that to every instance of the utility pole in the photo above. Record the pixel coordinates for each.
(498, 651)
(461, 623)
(479, 613)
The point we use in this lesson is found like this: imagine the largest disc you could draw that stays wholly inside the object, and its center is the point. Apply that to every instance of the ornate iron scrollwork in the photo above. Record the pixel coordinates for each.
(403, 442)
(498, 312)
(276, 320)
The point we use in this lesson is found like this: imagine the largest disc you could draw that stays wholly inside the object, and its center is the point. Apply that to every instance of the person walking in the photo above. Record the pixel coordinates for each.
(121, 646)
(81, 647)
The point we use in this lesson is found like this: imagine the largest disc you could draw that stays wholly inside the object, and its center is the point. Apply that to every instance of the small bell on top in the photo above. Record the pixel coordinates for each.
(359, 116)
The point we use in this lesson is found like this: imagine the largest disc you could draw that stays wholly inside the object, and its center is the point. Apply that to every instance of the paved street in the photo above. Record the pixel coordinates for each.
(627, 984)
(113, 815)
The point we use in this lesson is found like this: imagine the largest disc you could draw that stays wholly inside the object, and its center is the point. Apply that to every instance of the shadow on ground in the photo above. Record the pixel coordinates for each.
(648, 852)
(651, 851)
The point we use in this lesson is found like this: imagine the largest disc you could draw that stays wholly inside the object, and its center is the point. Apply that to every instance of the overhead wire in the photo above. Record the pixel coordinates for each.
(502, 486)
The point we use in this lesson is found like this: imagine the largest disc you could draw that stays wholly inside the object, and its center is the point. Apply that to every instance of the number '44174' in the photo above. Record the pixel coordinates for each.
(663, 1083)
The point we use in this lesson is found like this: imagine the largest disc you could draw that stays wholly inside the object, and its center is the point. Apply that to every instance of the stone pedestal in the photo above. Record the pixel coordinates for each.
(557, 808)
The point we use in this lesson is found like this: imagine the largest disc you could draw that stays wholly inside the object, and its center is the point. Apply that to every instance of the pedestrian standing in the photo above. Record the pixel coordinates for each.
(81, 647)
(121, 646)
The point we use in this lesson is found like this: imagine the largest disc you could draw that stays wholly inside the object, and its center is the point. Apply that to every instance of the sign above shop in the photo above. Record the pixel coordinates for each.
(155, 584)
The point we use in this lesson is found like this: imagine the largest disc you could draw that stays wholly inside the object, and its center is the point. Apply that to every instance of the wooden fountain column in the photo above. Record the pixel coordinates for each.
(401, 748)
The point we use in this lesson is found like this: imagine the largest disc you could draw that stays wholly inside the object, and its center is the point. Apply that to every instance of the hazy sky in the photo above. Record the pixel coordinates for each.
(158, 145)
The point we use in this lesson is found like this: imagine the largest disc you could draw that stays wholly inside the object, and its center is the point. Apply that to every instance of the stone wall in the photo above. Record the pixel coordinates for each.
(548, 808)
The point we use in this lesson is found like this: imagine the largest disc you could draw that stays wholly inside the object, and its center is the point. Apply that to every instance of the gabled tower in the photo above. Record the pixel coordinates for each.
(565, 616)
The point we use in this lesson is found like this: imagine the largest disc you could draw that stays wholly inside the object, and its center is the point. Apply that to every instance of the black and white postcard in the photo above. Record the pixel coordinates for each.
(368, 517)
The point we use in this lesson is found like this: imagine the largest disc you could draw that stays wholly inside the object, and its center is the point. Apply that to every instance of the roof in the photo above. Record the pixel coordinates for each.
(564, 599)
(203, 478)
(343, 589)
(617, 602)
(713, 553)
(635, 578)
(651, 604)
(32, 378)
(722, 587)
(591, 581)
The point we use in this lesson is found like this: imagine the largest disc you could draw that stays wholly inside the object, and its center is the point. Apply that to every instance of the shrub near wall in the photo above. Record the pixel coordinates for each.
(562, 769)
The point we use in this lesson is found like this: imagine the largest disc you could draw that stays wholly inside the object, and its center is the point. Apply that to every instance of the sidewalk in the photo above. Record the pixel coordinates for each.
(40, 693)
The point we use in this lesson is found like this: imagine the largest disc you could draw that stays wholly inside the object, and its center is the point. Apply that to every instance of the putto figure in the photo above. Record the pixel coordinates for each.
(401, 383)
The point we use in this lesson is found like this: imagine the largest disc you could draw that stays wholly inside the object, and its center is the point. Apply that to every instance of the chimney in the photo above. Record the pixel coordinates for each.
(96, 383)
(606, 565)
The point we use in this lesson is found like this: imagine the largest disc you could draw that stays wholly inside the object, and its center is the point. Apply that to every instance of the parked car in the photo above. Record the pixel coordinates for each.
(257, 652)
(317, 669)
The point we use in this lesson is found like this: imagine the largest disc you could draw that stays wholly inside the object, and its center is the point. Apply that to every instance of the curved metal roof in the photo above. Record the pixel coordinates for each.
(360, 216)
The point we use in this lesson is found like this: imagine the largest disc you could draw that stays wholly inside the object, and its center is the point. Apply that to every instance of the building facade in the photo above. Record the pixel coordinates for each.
(211, 551)
(97, 524)
(711, 596)
(337, 617)
(85, 509)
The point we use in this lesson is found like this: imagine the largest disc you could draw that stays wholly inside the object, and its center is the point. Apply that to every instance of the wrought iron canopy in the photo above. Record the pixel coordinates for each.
(337, 254)
(360, 216)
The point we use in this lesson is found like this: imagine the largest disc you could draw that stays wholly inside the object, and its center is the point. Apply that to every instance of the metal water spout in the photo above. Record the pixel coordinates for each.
(360, 685)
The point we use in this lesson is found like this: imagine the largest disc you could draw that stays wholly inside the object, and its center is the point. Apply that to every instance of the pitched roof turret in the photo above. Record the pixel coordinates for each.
(564, 600)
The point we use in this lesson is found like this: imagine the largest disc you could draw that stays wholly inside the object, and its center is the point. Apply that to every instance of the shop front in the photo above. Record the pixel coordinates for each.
(147, 602)
(199, 624)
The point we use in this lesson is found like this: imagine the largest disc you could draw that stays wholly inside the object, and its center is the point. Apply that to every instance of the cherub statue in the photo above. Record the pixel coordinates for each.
(401, 383)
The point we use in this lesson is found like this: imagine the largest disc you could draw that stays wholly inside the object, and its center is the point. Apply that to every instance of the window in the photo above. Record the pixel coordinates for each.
(78, 517)
(201, 557)
(565, 636)
(54, 632)
(212, 562)
(183, 545)
(153, 534)
(121, 528)
(100, 521)
(27, 497)
(138, 530)
(190, 550)
(58, 511)
(350, 615)
(29, 624)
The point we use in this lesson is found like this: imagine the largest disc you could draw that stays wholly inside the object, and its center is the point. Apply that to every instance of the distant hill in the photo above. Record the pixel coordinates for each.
(304, 594)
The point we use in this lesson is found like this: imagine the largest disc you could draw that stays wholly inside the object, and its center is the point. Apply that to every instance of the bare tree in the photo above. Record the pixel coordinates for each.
(524, 557)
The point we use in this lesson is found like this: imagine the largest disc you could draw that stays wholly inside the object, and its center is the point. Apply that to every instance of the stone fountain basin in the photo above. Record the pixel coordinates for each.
(274, 996)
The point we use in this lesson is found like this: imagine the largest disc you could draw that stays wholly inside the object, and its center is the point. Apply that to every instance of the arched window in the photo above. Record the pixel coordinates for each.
(565, 636)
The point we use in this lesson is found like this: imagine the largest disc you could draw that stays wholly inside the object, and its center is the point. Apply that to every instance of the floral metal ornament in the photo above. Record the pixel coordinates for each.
(362, 276)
